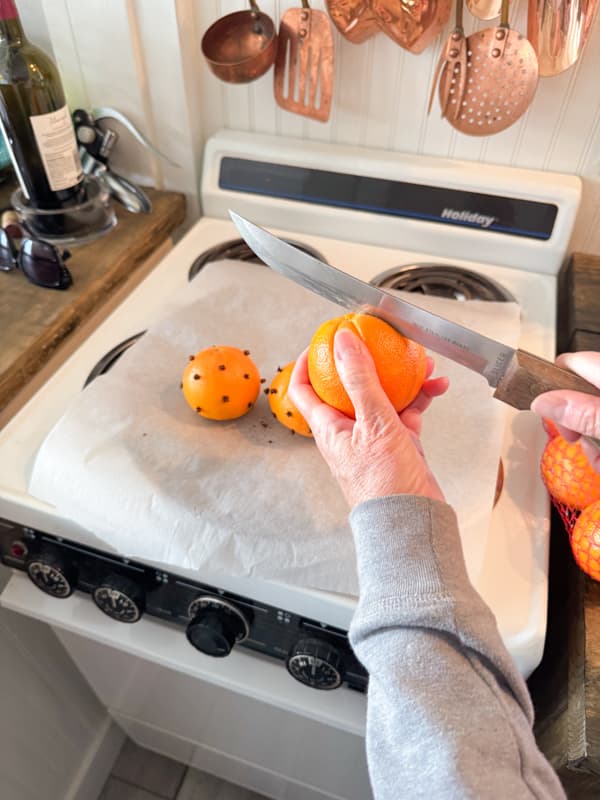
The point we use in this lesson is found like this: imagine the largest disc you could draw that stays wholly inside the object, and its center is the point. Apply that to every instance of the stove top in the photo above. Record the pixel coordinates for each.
(443, 280)
(365, 243)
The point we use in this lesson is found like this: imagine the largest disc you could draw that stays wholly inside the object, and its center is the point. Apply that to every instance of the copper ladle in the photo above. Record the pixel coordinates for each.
(558, 31)
(485, 9)
(241, 47)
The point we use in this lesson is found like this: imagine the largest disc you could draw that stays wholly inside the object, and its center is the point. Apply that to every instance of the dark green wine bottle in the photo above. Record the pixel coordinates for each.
(35, 120)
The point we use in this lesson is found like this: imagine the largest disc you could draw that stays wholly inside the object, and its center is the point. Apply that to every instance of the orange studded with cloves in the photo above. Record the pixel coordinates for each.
(282, 407)
(221, 382)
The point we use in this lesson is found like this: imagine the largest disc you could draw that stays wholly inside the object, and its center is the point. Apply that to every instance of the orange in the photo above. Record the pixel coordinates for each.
(282, 407)
(568, 475)
(400, 363)
(221, 382)
(585, 541)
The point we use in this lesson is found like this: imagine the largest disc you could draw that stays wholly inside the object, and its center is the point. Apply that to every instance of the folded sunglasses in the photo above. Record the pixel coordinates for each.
(41, 262)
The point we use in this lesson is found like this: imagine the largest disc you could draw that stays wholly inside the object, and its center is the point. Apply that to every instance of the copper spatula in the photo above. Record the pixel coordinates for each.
(304, 65)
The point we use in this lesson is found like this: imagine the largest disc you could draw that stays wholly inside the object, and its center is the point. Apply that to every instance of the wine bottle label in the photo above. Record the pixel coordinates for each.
(55, 138)
(8, 10)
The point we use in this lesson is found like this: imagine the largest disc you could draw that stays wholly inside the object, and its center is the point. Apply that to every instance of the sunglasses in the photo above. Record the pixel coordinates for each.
(41, 262)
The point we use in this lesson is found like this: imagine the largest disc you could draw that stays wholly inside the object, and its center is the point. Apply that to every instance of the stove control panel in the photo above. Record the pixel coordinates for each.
(213, 620)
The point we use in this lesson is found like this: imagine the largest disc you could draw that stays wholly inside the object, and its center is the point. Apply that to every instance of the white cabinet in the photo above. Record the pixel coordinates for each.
(238, 738)
(242, 718)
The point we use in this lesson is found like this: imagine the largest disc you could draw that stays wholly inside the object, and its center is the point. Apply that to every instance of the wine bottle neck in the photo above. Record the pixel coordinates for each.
(11, 30)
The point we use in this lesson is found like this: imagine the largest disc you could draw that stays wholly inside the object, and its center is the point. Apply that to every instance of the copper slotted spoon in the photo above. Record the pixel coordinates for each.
(303, 80)
(501, 79)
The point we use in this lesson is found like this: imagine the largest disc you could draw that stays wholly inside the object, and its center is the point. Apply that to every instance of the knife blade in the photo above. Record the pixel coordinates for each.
(516, 375)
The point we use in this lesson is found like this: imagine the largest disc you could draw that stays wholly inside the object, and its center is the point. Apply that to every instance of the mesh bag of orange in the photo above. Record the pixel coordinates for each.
(574, 488)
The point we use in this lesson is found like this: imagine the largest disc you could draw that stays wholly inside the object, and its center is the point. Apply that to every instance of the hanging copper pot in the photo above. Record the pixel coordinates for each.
(241, 47)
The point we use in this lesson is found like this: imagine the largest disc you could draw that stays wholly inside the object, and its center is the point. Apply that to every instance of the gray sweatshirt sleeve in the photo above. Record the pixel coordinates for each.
(449, 715)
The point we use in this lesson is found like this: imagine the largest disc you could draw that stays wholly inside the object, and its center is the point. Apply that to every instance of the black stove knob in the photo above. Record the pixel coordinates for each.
(120, 598)
(216, 626)
(316, 663)
(52, 572)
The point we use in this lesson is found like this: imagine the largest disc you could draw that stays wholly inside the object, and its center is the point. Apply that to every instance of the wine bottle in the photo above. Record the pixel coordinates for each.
(35, 120)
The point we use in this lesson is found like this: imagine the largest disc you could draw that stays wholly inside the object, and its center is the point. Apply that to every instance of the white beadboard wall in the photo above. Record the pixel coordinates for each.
(143, 57)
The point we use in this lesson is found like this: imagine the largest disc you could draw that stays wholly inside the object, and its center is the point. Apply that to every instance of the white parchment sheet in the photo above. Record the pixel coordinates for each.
(131, 461)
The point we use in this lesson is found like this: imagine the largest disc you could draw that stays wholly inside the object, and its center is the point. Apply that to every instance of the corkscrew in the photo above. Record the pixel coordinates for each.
(95, 146)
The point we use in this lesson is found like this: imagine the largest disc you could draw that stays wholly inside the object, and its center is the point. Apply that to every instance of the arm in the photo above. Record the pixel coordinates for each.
(448, 713)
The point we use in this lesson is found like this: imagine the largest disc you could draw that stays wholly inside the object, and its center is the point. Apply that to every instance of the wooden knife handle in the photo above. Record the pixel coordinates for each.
(527, 376)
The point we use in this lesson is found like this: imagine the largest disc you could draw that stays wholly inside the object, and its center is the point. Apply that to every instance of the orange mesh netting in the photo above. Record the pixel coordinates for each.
(567, 477)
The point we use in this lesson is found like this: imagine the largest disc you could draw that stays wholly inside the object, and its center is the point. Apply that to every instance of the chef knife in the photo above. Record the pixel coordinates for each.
(517, 376)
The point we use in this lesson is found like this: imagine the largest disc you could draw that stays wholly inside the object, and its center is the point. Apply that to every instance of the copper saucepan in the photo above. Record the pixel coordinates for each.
(241, 47)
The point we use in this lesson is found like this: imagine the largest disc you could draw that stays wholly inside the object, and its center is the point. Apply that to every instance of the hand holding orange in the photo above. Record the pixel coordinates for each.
(223, 383)
(400, 363)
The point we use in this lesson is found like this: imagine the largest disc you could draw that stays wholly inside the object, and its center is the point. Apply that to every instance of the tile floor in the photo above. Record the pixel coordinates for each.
(140, 774)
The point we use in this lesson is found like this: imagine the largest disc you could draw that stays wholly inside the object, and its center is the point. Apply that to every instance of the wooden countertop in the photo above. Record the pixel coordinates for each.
(566, 687)
(41, 326)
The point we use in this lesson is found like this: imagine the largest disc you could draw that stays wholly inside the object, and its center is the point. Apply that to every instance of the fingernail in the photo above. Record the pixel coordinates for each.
(549, 406)
(345, 344)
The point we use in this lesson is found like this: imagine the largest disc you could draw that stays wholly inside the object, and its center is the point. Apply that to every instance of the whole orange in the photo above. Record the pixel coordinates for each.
(585, 541)
(282, 407)
(221, 382)
(401, 364)
(568, 475)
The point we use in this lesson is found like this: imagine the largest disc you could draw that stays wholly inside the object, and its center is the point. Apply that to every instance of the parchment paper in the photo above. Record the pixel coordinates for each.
(131, 462)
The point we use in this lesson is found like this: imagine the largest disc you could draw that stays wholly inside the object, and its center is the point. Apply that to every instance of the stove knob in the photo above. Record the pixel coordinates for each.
(216, 626)
(316, 663)
(120, 598)
(52, 573)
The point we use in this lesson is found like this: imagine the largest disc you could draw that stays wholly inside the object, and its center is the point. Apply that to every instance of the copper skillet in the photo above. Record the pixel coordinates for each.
(241, 47)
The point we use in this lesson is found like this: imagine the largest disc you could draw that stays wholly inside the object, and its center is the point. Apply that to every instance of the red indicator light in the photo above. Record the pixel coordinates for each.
(18, 550)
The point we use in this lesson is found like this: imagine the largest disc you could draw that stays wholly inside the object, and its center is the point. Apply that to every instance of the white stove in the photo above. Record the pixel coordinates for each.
(368, 213)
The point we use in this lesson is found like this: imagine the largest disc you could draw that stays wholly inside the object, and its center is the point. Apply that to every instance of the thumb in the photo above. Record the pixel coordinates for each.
(357, 372)
(573, 410)
(584, 363)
